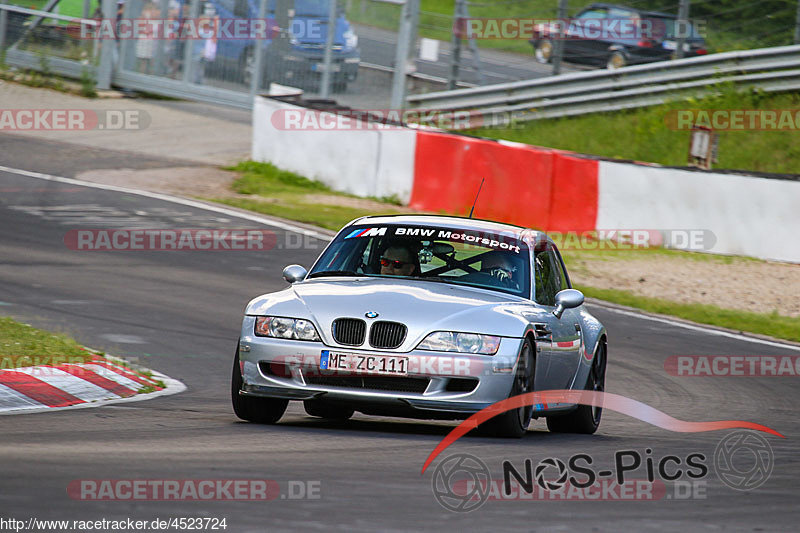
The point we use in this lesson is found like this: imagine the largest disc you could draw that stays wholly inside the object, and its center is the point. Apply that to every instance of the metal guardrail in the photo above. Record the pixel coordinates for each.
(770, 69)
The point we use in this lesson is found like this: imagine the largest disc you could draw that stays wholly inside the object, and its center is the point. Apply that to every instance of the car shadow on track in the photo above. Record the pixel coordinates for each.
(429, 428)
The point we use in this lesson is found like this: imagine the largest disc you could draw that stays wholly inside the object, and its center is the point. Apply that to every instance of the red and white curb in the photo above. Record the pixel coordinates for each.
(103, 380)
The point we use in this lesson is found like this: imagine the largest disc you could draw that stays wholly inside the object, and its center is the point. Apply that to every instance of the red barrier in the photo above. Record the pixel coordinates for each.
(448, 170)
(574, 198)
(525, 185)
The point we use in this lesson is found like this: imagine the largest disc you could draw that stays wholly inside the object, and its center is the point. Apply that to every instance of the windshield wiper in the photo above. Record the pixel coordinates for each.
(324, 273)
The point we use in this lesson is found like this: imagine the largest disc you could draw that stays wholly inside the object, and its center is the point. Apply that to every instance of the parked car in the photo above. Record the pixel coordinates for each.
(590, 38)
(303, 62)
(430, 317)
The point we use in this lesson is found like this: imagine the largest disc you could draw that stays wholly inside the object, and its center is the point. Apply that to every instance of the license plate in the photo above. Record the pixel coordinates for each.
(320, 67)
(672, 45)
(387, 365)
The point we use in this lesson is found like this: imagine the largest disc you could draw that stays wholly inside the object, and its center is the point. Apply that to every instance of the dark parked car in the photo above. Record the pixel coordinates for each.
(615, 36)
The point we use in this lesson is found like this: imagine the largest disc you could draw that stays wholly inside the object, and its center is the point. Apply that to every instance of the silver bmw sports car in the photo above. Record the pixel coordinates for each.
(422, 316)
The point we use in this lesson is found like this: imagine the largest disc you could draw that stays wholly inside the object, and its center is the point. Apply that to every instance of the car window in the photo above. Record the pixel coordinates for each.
(592, 14)
(547, 277)
(622, 14)
(562, 273)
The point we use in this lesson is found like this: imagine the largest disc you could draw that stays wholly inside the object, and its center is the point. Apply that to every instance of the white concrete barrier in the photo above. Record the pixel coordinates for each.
(748, 215)
(353, 158)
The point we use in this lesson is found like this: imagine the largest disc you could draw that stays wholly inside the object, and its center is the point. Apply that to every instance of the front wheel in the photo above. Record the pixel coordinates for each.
(616, 60)
(586, 418)
(258, 410)
(543, 50)
(514, 423)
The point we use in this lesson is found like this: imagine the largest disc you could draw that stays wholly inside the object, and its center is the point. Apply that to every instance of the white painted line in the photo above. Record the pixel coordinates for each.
(80, 388)
(124, 339)
(699, 328)
(173, 199)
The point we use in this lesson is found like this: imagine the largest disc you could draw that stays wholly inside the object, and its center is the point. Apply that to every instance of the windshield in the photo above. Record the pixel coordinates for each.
(433, 254)
(312, 8)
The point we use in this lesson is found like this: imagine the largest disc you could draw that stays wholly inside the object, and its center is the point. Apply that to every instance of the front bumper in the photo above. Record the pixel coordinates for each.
(436, 382)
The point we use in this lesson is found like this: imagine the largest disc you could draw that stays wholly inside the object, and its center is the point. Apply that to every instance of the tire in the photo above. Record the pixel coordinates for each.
(514, 423)
(543, 50)
(323, 410)
(586, 418)
(616, 60)
(258, 410)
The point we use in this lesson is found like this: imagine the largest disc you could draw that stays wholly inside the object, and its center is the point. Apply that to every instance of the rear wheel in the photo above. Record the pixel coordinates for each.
(586, 418)
(323, 410)
(514, 423)
(258, 410)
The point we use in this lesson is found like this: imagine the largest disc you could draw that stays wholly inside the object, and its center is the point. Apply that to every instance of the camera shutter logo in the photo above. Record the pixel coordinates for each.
(551, 484)
(744, 460)
(454, 470)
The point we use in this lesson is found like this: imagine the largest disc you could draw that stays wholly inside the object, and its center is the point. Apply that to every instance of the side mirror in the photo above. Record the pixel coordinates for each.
(294, 273)
(567, 299)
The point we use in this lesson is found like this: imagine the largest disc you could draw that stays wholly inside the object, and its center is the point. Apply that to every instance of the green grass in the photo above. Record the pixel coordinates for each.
(284, 194)
(643, 135)
(24, 345)
(773, 324)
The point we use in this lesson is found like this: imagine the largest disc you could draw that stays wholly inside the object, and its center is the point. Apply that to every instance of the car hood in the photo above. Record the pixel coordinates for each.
(422, 306)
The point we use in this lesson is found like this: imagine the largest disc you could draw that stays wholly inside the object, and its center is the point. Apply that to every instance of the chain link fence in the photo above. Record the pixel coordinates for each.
(228, 50)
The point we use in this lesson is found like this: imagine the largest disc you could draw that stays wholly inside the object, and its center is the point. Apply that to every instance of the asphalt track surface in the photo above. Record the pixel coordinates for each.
(179, 312)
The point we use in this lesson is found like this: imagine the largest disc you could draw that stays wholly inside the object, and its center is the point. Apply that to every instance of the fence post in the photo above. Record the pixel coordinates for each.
(258, 53)
(683, 23)
(3, 24)
(325, 90)
(188, 45)
(558, 46)
(108, 49)
(455, 46)
(404, 39)
(797, 25)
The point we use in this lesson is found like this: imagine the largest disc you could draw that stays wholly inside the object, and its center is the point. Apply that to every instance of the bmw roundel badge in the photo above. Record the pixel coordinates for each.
(370, 314)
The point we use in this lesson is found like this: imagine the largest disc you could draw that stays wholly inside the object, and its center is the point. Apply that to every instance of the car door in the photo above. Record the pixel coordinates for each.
(559, 339)
(582, 39)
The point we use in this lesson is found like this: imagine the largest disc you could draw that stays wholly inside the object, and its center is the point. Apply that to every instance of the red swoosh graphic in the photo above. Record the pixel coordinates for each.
(606, 400)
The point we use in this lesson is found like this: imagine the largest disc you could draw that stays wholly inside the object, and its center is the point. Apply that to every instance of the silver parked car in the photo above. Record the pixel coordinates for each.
(423, 316)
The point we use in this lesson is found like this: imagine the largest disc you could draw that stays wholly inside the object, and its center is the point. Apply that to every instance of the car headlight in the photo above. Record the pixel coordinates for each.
(350, 39)
(454, 341)
(286, 328)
